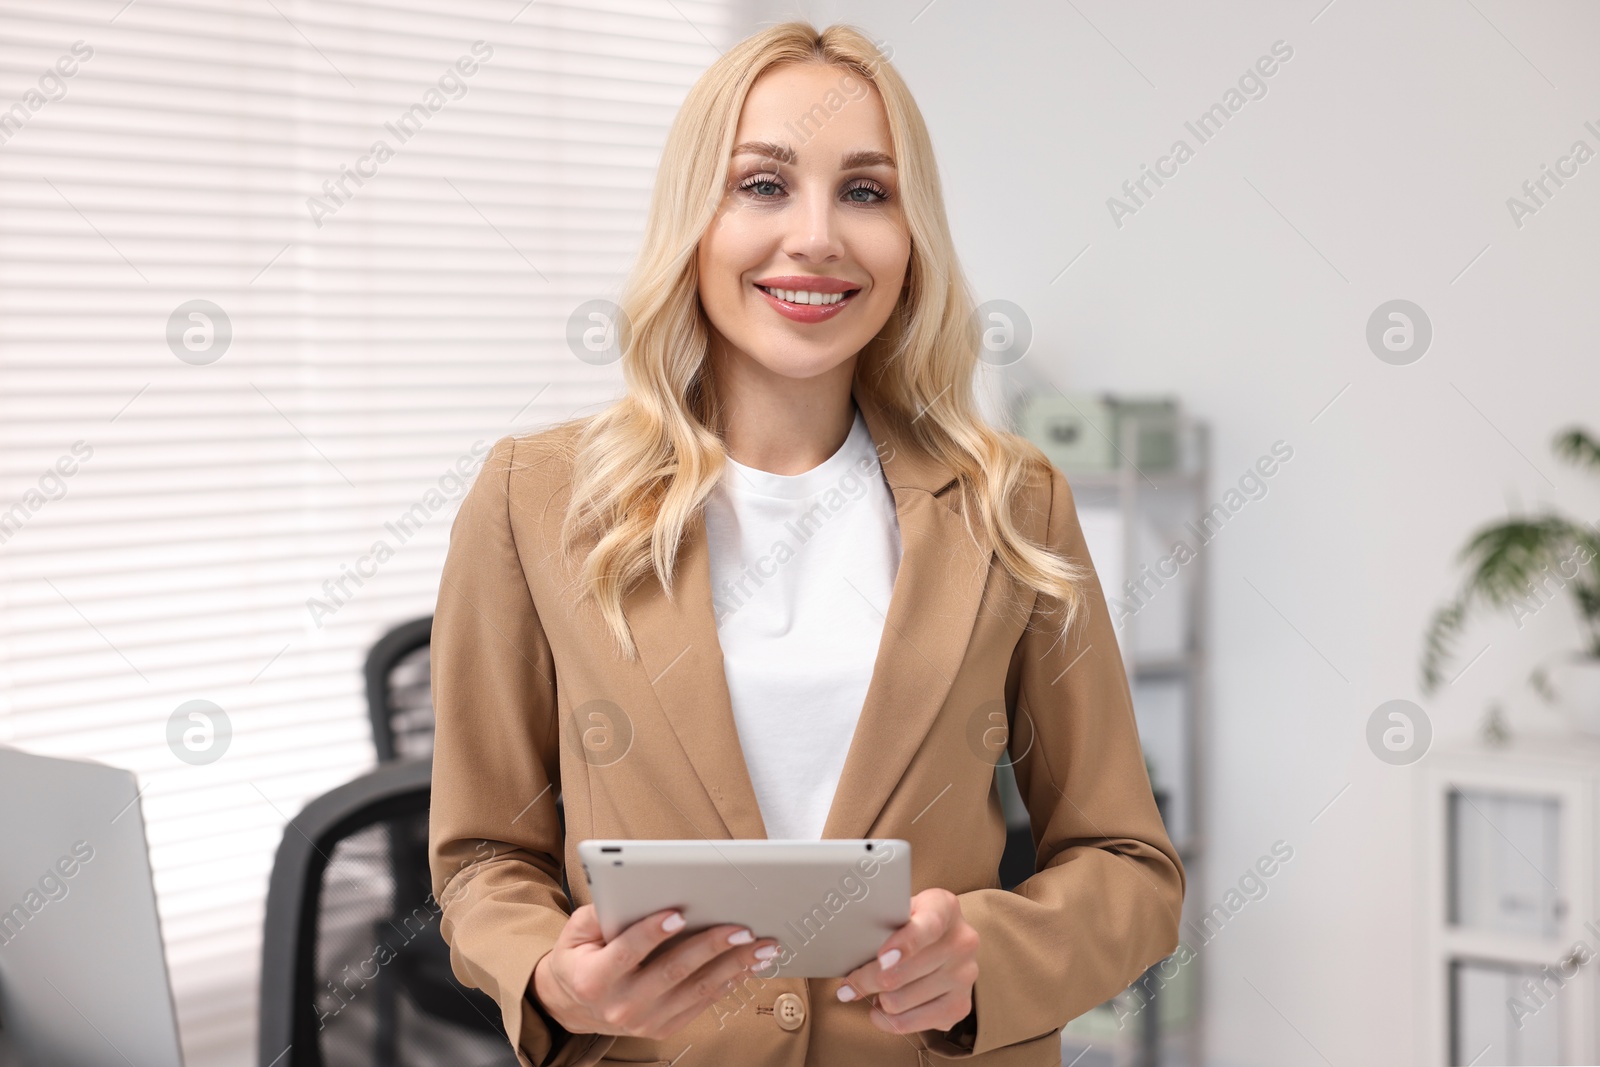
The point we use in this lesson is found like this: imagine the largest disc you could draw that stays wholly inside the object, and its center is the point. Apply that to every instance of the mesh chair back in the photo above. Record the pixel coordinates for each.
(354, 970)
(399, 691)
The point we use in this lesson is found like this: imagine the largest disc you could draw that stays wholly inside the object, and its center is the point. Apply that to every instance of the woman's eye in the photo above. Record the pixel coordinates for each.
(765, 187)
(874, 192)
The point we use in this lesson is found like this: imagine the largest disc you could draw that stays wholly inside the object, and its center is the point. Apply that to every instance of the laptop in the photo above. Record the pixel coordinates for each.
(83, 979)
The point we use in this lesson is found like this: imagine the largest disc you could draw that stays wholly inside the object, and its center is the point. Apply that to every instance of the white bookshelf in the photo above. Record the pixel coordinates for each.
(1508, 887)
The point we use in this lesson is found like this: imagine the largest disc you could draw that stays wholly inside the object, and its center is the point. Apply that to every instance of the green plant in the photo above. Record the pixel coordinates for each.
(1512, 566)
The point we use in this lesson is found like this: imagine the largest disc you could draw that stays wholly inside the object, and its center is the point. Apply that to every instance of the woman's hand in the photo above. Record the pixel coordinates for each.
(591, 987)
(924, 971)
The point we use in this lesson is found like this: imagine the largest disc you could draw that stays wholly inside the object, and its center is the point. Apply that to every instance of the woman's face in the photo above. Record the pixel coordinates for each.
(805, 258)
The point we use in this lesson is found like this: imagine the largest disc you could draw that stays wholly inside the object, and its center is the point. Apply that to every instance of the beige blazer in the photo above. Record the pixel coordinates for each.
(532, 700)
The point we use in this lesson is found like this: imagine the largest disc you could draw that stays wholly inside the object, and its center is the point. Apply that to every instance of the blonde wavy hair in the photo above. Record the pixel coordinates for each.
(643, 467)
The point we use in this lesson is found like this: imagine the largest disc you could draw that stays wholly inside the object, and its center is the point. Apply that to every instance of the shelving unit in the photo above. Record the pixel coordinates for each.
(1509, 908)
(1131, 519)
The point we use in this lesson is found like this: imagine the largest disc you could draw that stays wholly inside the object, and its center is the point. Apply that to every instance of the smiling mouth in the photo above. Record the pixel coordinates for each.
(805, 298)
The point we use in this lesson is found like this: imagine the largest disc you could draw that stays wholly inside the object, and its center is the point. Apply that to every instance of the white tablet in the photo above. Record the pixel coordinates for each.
(829, 903)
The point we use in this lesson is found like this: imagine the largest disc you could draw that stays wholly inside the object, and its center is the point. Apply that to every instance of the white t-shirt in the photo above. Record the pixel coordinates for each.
(802, 568)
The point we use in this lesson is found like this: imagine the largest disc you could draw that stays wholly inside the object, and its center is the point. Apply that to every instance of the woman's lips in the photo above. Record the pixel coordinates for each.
(807, 312)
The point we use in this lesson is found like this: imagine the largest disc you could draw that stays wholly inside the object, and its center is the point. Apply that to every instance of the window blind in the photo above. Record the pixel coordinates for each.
(273, 277)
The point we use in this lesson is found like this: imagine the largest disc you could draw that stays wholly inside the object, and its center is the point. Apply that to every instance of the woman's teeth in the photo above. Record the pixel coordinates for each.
(801, 296)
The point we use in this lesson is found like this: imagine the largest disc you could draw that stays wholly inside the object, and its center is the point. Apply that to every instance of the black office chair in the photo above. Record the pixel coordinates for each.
(354, 970)
(400, 695)
(399, 691)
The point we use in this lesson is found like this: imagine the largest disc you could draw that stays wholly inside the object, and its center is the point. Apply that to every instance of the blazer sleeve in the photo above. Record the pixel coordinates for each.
(495, 847)
(1106, 900)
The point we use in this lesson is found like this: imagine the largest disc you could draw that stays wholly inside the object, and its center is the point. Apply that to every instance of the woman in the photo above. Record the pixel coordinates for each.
(790, 585)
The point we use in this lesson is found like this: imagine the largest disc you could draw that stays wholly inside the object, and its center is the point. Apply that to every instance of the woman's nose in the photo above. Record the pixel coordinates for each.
(813, 228)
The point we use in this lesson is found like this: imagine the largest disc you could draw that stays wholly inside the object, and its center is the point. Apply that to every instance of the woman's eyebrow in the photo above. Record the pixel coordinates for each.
(780, 152)
(866, 157)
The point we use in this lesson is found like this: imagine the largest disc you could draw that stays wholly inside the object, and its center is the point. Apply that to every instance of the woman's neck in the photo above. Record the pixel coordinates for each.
(779, 424)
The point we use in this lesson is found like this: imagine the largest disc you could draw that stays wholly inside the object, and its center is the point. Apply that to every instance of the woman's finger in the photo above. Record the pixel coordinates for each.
(873, 977)
(676, 966)
(919, 991)
(939, 1014)
(933, 911)
(583, 927)
(705, 987)
(623, 954)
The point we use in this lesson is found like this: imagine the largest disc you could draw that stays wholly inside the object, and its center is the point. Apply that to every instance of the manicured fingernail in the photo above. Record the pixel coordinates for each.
(765, 965)
(889, 959)
(846, 993)
(741, 937)
(672, 922)
(766, 952)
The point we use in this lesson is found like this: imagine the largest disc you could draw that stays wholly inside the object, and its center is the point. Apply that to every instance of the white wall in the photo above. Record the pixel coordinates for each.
(1377, 166)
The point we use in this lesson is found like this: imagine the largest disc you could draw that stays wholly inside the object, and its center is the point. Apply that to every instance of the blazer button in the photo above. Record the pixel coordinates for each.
(790, 1010)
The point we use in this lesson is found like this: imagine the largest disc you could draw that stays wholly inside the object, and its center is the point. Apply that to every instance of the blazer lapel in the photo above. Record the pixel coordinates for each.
(926, 625)
(934, 604)
(682, 657)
